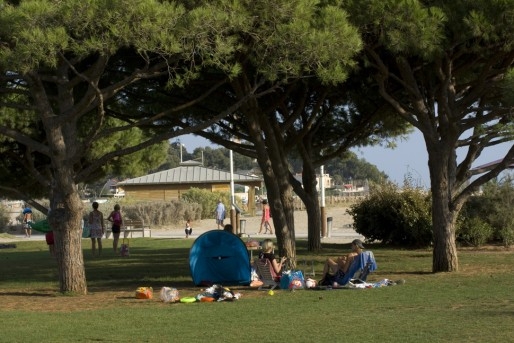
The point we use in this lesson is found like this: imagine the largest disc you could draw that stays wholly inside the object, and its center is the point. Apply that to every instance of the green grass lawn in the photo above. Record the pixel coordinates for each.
(472, 305)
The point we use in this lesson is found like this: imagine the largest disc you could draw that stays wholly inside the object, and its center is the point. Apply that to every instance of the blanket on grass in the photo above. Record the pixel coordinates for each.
(359, 284)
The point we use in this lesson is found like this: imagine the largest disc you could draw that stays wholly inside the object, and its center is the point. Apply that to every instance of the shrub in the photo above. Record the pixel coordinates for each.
(4, 219)
(207, 199)
(507, 235)
(393, 216)
(494, 207)
(474, 231)
(162, 213)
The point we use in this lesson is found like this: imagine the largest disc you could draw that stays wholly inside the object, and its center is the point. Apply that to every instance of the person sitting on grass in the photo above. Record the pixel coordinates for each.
(335, 270)
(267, 253)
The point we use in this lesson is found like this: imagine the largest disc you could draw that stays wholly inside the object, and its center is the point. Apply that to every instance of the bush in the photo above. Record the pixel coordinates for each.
(474, 231)
(4, 219)
(494, 207)
(162, 213)
(207, 199)
(507, 235)
(195, 204)
(393, 216)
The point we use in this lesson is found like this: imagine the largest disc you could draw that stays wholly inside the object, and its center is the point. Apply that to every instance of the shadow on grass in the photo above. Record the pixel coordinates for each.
(26, 294)
(165, 262)
(405, 273)
(146, 266)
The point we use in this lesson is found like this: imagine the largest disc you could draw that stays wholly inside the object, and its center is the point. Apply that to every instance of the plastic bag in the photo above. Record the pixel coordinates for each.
(169, 295)
(292, 279)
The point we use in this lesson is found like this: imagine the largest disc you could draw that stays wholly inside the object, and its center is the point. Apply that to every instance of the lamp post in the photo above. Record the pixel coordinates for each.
(180, 146)
(323, 213)
(233, 217)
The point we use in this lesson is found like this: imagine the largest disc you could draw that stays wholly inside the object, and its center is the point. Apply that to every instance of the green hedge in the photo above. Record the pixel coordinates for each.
(393, 216)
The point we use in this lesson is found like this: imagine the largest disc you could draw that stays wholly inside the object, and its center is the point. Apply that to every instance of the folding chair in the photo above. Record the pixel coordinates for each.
(263, 268)
(360, 268)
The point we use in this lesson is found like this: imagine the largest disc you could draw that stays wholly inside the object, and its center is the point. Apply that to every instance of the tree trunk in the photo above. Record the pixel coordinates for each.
(443, 215)
(314, 225)
(280, 196)
(272, 160)
(275, 170)
(309, 194)
(68, 249)
(286, 241)
(65, 204)
(65, 219)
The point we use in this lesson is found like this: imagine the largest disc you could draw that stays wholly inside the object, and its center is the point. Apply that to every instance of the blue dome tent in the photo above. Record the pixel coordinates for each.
(219, 257)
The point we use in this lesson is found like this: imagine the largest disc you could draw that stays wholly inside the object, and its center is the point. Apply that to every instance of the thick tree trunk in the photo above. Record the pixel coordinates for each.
(280, 196)
(445, 250)
(68, 249)
(65, 204)
(274, 166)
(272, 160)
(286, 236)
(65, 219)
(443, 215)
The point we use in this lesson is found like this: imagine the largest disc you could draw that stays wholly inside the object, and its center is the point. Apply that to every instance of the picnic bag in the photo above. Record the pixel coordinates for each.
(292, 279)
(124, 248)
(144, 293)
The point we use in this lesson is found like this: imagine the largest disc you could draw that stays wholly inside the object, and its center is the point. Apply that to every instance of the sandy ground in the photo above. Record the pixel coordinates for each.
(341, 231)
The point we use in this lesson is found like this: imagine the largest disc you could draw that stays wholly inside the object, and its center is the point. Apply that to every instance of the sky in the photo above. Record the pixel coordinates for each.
(409, 158)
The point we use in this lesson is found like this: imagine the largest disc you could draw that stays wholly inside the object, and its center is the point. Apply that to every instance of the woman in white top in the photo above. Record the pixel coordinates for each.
(97, 229)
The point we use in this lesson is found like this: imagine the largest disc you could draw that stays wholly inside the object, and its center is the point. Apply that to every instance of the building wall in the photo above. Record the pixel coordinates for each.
(167, 192)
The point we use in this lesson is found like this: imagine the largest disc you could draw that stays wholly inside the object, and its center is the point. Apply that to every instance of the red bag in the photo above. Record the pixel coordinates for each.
(144, 293)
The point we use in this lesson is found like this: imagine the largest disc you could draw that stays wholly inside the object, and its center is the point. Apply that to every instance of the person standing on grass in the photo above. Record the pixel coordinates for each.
(219, 213)
(97, 229)
(188, 229)
(117, 222)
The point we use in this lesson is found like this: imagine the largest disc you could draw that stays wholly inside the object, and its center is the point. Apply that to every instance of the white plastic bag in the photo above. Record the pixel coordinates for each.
(169, 295)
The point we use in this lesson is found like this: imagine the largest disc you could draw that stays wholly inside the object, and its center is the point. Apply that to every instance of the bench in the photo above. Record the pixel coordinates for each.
(129, 227)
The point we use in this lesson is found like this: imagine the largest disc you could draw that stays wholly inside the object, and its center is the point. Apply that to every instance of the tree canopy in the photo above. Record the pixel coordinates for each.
(69, 74)
(446, 68)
